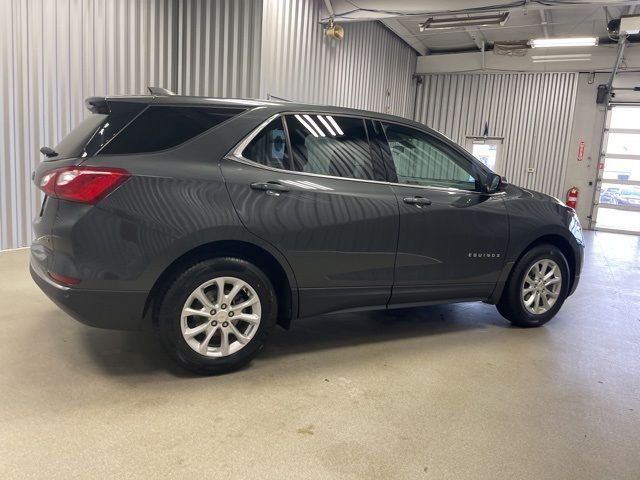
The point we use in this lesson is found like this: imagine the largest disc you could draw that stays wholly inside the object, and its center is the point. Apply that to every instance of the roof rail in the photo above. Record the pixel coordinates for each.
(159, 91)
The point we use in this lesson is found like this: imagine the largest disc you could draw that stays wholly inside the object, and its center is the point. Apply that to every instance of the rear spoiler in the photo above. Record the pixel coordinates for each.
(97, 105)
(101, 104)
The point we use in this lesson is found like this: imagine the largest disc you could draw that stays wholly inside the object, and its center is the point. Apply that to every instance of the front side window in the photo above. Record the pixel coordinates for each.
(420, 159)
(269, 147)
(161, 127)
(330, 145)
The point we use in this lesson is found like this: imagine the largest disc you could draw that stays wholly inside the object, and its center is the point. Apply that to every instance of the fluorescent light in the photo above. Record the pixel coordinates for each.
(433, 23)
(315, 125)
(305, 125)
(327, 126)
(568, 57)
(335, 125)
(564, 42)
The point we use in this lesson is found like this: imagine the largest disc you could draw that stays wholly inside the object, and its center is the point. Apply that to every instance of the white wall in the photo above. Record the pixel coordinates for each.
(588, 124)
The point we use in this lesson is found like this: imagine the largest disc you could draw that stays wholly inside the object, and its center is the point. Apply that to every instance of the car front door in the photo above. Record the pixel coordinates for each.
(309, 185)
(453, 238)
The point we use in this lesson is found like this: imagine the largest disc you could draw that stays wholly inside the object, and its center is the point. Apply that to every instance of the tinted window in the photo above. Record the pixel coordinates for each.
(113, 124)
(269, 147)
(160, 127)
(420, 159)
(330, 145)
(73, 144)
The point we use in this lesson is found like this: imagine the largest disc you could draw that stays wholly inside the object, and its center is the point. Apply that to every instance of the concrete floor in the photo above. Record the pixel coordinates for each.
(447, 392)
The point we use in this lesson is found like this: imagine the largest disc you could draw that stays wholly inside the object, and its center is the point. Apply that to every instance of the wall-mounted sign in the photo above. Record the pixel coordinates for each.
(580, 150)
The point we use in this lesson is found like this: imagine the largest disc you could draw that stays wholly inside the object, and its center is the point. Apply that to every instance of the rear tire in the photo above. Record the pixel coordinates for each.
(536, 288)
(217, 314)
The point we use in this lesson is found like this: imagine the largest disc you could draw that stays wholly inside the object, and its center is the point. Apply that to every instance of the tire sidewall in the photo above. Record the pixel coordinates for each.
(170, 312)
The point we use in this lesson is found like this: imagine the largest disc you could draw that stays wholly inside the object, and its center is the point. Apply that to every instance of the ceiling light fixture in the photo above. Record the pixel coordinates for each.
(433, 23)
(564, 42)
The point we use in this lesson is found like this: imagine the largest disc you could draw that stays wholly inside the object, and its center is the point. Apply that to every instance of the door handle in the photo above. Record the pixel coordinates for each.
(419, 201)
(270, 187)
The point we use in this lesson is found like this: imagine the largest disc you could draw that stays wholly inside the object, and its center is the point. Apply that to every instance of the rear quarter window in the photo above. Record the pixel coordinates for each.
(73, 144)
(161, 127)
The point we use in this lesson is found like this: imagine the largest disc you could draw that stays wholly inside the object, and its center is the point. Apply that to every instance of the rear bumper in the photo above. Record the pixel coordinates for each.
(117, 310)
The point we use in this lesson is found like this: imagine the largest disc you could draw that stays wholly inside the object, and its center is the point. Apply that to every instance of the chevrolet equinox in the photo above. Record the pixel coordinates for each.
(213, 220)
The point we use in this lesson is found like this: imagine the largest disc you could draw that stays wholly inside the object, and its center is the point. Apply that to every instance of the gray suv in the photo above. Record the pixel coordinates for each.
(214, 220)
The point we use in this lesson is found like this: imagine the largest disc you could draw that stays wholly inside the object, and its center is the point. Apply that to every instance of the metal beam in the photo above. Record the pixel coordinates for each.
(544, 22)
(622, 42)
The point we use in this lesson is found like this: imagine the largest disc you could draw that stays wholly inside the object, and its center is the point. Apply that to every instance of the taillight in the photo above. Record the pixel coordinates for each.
(82, 184)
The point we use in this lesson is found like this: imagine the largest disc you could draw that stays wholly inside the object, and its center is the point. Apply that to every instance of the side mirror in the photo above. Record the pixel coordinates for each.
(493, 183)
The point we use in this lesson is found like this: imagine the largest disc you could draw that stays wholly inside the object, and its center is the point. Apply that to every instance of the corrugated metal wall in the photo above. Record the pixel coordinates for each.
(52, 56)
(533, 112)
(55, 53)
(370, 69)
(219, 48)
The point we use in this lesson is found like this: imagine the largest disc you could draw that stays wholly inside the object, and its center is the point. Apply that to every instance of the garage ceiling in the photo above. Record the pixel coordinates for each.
(526, 20)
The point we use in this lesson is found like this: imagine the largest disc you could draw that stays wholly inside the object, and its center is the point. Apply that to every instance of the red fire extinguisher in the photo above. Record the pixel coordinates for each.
(572, 197)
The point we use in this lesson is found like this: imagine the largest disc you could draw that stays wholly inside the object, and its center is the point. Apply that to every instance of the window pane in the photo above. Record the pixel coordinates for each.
(421, 160)
(330, 145)
(161, 127)
(618, 219)
(269, 147)
(623, 143)
(617, 194)
(625, 117)
(621, 169)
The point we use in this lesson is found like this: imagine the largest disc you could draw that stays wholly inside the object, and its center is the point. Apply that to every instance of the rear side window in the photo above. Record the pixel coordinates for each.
(330, 145)
(161, 127)
(269, 147)
(73, 144)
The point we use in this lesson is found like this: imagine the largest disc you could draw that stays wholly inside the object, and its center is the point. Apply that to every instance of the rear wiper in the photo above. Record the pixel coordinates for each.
(49, 152)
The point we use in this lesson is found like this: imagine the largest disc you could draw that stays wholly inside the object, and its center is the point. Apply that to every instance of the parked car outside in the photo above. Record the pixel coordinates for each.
(214, 220)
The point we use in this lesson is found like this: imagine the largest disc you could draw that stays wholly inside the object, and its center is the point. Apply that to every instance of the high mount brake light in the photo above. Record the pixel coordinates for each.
(82, 184)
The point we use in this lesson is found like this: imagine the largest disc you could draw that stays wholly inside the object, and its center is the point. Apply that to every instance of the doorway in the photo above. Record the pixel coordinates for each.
(617, 198)
(487, 150)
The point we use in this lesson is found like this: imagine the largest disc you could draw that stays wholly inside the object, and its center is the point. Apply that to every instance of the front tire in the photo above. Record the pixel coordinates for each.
(217, 314)
(536, 288)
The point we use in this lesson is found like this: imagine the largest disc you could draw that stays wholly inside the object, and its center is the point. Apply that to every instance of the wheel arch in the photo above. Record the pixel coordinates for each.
(554, 239)
(262, 258)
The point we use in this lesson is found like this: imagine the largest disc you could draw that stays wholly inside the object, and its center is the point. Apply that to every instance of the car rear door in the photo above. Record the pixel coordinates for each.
(309, 185)
(452, 238)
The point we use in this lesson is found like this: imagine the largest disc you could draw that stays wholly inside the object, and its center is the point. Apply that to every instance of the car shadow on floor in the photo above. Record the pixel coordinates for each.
(139, 353)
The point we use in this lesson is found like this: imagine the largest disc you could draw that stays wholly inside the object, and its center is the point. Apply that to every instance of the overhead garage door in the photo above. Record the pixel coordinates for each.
(618, 201)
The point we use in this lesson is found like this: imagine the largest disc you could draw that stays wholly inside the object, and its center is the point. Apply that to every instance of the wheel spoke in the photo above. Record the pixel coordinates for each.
(202, 298)
(187, 312)
(192, 332)
(531, 299)
(224, 342)
(204, 346)
(552, 281)
(552, 294)
(245, 304)
(220, 298)
(545, 301)
(551, 273)
(248, 317)
(239, 336)
(234, 291)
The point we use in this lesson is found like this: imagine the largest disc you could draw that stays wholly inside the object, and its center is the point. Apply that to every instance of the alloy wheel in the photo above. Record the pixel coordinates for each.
(541, 286)
(221, 316)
